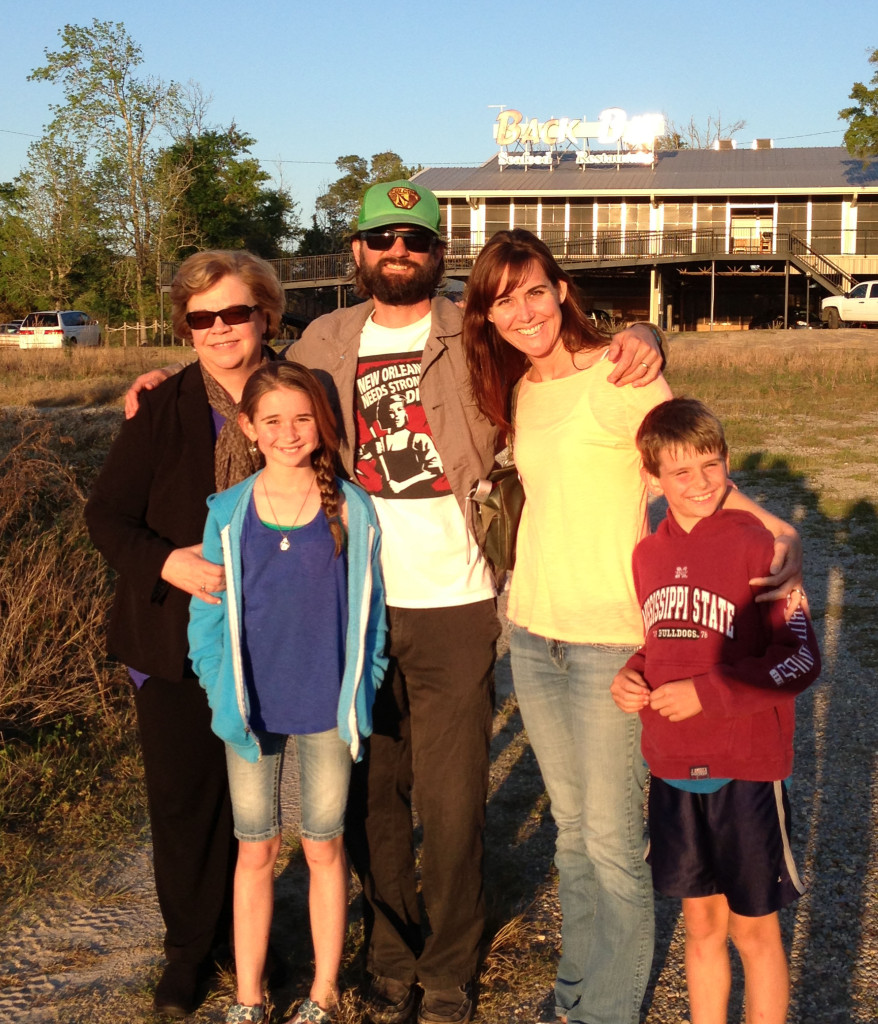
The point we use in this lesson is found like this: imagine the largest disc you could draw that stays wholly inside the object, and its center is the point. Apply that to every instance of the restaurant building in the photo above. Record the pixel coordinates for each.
(689, 238)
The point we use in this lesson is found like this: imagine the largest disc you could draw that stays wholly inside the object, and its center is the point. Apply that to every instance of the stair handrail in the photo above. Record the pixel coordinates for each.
(820, 263)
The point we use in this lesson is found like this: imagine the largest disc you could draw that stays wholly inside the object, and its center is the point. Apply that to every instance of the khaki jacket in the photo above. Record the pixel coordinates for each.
(466, 441)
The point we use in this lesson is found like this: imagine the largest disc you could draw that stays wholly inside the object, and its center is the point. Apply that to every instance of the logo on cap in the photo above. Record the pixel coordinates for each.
(403, 198)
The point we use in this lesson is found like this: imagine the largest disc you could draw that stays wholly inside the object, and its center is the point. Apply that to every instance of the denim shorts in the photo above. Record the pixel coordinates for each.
(324, 775)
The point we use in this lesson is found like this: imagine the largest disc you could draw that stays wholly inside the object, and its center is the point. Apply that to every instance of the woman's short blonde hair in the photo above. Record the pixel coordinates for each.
(202, 271)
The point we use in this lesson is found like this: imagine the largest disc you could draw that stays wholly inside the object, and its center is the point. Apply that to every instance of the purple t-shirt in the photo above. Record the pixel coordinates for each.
(295, 613)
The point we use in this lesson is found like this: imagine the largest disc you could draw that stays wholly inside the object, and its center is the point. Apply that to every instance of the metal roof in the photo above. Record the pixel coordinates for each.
(812, 170)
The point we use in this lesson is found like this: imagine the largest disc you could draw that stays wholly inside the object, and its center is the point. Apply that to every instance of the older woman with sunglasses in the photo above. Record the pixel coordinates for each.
(146, 515)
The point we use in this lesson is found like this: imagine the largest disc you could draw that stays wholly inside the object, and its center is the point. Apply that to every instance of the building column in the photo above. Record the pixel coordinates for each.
(655, 296)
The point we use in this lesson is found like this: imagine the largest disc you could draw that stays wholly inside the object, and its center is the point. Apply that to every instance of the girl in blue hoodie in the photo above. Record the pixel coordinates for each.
(294, 646)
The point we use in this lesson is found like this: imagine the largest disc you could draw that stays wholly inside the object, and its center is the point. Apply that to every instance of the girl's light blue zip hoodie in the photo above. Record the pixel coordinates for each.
(215, 629)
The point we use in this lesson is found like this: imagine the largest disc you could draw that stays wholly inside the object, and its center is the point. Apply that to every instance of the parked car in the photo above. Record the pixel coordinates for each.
(600, 318)
(292, 326)
(858, 306)
(57, 328)
(797, 319)
(9, 334)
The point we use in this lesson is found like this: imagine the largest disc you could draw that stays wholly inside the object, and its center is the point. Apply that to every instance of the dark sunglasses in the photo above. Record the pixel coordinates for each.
(382, 239)
(202, 319)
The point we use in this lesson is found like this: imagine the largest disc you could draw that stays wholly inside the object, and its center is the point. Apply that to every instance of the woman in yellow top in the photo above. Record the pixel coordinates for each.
(572, 603)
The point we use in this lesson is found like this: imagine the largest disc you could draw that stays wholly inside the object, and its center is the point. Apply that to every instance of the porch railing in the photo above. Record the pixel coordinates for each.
(593, 246)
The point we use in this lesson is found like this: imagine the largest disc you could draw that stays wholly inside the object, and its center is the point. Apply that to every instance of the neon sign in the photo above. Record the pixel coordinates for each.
(634, 138)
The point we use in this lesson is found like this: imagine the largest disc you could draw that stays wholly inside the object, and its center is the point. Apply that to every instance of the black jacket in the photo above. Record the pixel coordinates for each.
(149, 499)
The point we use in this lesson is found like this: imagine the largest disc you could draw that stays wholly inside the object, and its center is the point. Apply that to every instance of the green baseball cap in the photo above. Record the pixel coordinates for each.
(399, 202)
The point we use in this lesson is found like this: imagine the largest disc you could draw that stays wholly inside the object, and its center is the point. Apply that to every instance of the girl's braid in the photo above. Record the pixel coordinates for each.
(330, 497)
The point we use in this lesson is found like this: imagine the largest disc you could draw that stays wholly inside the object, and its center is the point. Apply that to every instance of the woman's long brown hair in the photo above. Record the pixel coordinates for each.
(494, 365)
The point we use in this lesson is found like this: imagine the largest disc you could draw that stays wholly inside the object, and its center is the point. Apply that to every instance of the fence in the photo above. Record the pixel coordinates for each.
(139, 334)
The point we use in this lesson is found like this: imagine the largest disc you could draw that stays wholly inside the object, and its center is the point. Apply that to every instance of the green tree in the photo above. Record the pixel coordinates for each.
(226, 202)
(861, 137)
(56, 190)
(15, 249)
(338, 206)
(124, 118)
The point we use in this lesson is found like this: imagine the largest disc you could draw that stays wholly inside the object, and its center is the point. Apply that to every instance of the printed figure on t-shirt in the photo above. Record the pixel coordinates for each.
(397, 456)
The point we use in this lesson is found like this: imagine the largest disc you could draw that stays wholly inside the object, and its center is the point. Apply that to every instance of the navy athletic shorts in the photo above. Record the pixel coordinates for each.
(735, 841)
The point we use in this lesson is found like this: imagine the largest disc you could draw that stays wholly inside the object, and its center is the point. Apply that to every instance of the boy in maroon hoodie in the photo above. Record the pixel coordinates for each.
(715, 685)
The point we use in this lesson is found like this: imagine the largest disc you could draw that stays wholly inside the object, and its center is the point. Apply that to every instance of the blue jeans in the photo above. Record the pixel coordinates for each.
(589, 755)
(324, 779)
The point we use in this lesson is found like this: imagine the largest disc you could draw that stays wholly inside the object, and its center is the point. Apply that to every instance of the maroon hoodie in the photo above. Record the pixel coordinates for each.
(702, 622)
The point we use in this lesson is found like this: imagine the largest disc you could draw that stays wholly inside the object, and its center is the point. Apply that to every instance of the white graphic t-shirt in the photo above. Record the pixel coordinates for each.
(424, 539)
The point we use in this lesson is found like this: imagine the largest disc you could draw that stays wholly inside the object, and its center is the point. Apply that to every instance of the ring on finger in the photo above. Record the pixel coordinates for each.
(645, 365)
(203, 588)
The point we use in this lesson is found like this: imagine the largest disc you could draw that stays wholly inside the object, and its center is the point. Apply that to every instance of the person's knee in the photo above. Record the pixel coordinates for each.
(706, 919)
(323, 853)
(755, 936)
(259, 855)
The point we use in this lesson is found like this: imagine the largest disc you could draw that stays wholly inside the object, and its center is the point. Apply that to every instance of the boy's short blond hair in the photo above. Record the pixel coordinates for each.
(679, 423)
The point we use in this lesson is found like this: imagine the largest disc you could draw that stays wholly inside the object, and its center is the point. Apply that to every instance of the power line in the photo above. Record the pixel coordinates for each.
(811, 135)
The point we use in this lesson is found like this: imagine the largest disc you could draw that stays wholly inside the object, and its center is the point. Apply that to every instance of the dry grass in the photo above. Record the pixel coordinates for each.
(67, 756)
(76, 378)
(794, 405)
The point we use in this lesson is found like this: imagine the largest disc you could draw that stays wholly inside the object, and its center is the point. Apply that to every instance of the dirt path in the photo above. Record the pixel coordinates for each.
(96, 964)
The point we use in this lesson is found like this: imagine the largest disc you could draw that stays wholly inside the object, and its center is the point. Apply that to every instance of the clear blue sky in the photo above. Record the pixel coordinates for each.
(312, 81)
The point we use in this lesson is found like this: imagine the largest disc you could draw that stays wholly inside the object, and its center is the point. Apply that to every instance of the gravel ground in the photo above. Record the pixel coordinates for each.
(73, 963)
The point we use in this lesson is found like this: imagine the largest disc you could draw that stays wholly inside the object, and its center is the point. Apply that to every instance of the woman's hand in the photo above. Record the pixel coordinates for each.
(185, 569)
(629, 690)
(146, 382)
(637, 355)
(784, 573)
(676, 701)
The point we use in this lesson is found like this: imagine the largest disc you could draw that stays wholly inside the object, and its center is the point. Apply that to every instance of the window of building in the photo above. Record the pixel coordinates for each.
(581, 218)
(554, 215)
(525, 214)
(678, 216)
(826, 227)
(496, 216)
(710, 226)
(459, 221)
(792, 218)
(867, 227)
(637, 237)
(609, 216)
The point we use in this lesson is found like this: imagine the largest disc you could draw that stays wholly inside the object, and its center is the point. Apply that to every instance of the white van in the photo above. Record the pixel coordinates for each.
(57, 329)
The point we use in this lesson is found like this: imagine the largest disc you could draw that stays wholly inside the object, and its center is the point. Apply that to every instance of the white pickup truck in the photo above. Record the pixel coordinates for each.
(858, 306)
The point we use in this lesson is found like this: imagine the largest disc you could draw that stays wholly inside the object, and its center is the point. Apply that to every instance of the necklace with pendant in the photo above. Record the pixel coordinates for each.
(285, 536)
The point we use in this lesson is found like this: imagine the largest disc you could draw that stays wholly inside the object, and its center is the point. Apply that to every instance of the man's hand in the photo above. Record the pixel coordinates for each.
(145, 382)
(185, 569)
(637, 356)
(676, 701)
(629, 690)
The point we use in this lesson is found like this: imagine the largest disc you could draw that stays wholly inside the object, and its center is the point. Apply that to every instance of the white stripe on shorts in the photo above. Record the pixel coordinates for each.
(785, 835)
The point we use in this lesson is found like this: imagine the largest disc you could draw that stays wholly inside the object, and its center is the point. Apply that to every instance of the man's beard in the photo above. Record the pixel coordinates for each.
(400, 289)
